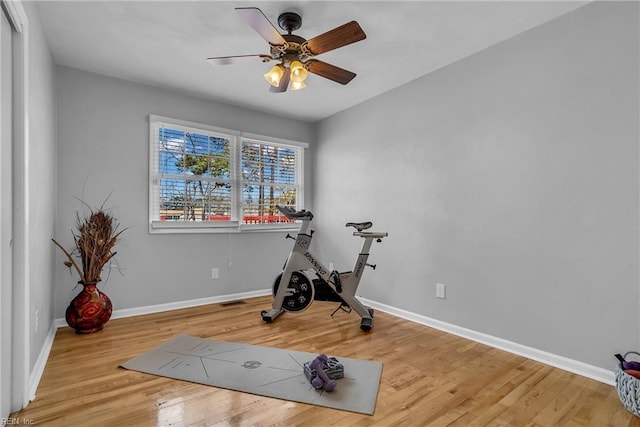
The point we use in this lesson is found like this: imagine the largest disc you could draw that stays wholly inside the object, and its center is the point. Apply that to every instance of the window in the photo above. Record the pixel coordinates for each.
(204, 178)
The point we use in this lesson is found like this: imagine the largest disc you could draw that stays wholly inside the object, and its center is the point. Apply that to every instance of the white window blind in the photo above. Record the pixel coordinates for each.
(209, 178)
(269, 178)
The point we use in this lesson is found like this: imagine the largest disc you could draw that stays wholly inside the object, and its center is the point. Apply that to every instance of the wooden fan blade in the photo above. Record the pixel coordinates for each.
(329, 71)
(284, 83)
(338, 37)
(259, 22)
(240, 59)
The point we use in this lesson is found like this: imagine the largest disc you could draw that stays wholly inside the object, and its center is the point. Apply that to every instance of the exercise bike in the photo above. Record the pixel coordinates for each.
(303, 289)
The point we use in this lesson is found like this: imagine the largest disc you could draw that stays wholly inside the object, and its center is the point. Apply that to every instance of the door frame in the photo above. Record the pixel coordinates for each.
(21, 349)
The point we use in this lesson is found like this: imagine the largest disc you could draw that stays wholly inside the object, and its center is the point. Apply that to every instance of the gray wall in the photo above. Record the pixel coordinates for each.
(42, 192)
(510, 176)
(103, 148)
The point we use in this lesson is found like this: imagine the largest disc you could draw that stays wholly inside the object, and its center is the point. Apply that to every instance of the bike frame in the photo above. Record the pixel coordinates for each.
(300, 259)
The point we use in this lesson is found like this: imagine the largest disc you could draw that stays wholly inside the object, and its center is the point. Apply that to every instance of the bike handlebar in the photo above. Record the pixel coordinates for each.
(293, 214)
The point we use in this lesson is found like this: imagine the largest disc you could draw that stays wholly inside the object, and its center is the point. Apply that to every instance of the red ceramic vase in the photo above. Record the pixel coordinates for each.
(89, 310)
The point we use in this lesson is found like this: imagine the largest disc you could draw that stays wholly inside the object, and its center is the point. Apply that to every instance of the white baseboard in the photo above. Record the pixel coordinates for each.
(41, 361)
(128, 312)
(574, 366)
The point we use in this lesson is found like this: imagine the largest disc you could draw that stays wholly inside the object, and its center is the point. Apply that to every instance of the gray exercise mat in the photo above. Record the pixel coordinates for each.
(259, 370)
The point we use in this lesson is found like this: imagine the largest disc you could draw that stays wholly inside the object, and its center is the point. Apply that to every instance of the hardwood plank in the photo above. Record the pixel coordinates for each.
(429, 378)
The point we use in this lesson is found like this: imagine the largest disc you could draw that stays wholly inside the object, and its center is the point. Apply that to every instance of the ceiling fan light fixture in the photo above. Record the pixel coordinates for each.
(294, 53)
(297, 85)
(298, 72)
(274, 75)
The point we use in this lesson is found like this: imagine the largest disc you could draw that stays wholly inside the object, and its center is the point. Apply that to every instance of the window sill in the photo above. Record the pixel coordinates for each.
(163, 227)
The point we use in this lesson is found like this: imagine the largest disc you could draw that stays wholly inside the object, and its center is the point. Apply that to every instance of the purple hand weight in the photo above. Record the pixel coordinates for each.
(322, 379)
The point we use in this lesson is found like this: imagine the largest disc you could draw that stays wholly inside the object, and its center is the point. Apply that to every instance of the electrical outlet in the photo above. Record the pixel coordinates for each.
(215, 273)
(441, 290)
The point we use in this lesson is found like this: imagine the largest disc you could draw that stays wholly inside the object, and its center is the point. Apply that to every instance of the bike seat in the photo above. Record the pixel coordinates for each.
(360, 226)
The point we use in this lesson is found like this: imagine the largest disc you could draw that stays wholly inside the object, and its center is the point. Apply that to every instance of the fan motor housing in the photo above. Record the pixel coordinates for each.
(289, 21)
(294, 44)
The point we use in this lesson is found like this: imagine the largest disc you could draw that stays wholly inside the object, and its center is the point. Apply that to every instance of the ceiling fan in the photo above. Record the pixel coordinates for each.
(294, 54)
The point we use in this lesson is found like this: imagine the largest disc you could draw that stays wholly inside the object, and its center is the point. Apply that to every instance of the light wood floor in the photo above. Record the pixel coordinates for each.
(429, 378)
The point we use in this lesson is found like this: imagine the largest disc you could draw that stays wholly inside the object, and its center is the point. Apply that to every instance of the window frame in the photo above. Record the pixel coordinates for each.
(236, 138)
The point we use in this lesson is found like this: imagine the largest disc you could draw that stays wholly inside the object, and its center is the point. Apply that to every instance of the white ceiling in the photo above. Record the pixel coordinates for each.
(166, 43)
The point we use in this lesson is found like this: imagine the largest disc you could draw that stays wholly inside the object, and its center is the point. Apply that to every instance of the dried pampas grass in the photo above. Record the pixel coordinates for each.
(95, 236)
